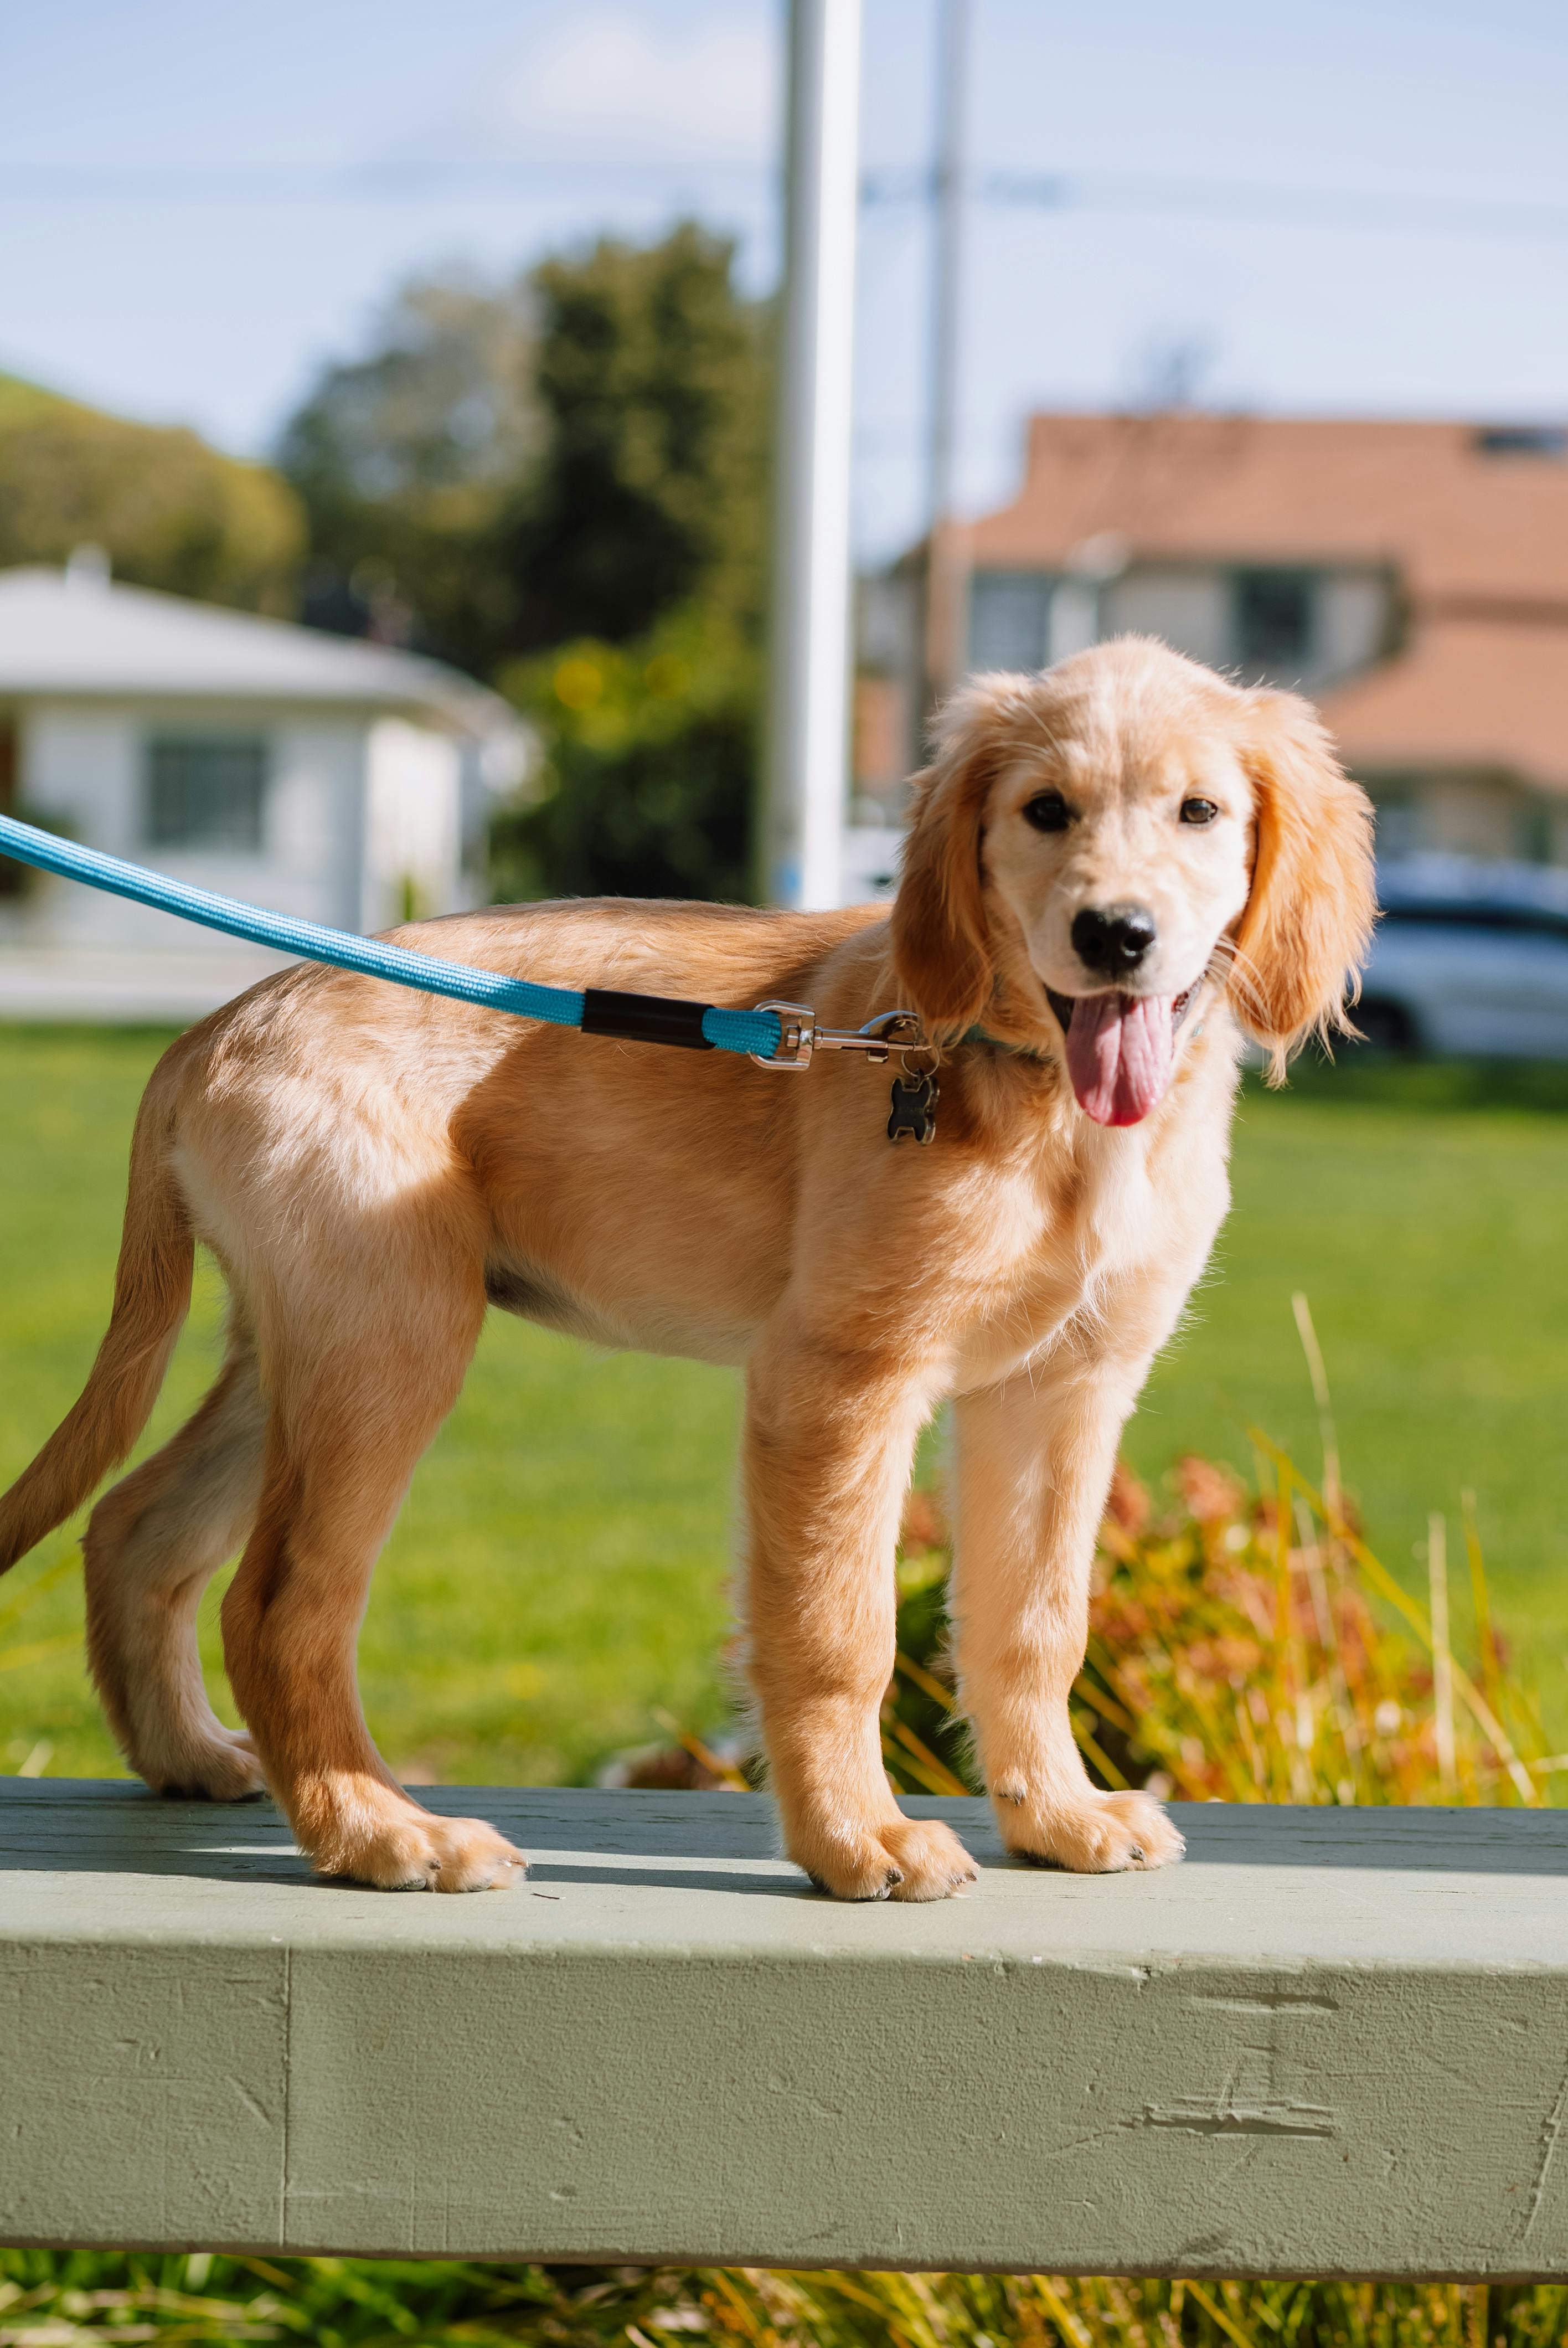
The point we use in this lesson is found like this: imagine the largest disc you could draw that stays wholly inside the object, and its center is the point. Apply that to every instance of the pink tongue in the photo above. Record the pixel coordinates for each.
(1118, 1050)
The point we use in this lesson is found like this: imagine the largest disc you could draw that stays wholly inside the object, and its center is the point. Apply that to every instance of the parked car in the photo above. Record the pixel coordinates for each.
(1469, 957)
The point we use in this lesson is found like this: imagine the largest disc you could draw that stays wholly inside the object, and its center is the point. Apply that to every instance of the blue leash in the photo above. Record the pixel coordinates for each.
(598, 1011)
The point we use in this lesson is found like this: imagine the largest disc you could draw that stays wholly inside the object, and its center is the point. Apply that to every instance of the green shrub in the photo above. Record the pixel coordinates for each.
(647, 783)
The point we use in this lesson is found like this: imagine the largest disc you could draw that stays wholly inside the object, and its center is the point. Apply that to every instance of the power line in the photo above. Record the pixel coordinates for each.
(411, 181)
(1244, 201)
(436, 180)
(452, 179)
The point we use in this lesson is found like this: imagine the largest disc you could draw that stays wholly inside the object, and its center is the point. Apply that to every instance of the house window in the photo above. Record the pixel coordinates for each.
(1273, 622)
(206, 790)
(1550, 440)
(1010, 620)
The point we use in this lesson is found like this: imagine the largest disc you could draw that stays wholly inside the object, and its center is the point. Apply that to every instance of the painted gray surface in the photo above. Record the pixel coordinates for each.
(1332, 2042)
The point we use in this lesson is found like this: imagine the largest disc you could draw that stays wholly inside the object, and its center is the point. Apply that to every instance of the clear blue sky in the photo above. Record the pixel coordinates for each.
(179, 295)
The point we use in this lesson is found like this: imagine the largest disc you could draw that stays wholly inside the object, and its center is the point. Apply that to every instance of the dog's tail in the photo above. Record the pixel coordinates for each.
(151, 1297)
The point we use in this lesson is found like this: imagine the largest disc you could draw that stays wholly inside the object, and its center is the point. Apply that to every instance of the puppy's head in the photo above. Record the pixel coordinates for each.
(1092, 845)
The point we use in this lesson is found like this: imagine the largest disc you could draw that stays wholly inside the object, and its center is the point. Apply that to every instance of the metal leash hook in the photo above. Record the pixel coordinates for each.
(800, 1037)
(914, 1091)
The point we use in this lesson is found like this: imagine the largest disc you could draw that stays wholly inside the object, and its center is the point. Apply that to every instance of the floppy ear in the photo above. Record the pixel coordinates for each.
(940, 944)
(1308, 918)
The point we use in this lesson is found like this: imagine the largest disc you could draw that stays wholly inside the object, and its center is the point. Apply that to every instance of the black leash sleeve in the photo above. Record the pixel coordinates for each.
(643, 1018)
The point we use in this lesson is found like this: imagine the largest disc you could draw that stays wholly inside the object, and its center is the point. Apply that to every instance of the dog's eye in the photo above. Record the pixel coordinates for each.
(1049, 812)
(1198, 810)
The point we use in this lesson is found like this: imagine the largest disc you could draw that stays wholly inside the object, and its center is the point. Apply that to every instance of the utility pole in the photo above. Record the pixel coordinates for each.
(947, 580)
(809, 669)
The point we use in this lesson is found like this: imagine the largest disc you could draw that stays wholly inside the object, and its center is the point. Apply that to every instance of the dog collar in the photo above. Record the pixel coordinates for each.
(1014, 1051)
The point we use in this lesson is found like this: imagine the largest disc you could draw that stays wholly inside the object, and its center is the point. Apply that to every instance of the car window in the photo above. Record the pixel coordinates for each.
(1499, 921)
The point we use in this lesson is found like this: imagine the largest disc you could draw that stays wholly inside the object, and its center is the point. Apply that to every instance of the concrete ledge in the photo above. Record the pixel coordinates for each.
(1332, 2042)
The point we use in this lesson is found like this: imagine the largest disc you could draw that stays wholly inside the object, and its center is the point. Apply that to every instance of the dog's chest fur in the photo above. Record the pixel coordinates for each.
(1096, 1236)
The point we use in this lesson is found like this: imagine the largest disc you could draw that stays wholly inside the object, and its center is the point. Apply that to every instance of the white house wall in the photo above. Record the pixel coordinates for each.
(315, 817)
(80, 764)
(1021, 619)
(413, 833)
(1351, 624)
(1478, 816)
(84, 767)
(1190, 609)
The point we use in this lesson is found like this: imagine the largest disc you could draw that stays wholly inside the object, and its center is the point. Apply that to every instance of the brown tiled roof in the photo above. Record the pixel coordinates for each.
(1465, 694)
(1423, 497)
(1478, 542)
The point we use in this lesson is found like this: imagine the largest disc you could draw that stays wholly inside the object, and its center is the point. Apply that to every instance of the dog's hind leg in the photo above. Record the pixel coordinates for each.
(363, 1360)
(152, 1545)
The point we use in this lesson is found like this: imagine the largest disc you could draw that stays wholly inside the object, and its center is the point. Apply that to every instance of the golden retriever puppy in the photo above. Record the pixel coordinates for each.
(1115, 870)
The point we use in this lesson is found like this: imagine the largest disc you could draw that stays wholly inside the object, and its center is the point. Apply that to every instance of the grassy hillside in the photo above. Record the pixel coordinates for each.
(171, 512)
(21, 402)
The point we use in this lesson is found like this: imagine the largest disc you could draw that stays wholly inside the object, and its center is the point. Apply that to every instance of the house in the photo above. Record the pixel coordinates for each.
(1413, 579)
(342, 781)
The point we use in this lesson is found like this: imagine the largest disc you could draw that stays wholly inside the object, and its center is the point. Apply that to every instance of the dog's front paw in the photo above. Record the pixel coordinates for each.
(1098, 1834)
(418, 1853)
(896, 1858)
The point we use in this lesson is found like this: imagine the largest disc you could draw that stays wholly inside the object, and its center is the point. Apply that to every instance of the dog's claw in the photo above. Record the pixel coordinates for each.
(1102, 1834)
(897, 1859)
(418, 1853)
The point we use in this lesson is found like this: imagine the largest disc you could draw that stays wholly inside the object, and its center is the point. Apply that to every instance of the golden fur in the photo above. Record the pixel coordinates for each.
(371, 1169)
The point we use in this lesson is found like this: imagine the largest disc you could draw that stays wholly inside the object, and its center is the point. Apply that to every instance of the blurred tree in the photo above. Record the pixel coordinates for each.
(645, 787)
(169, 510)
(638, 555)
(407, 461)
(652, 376)
(564, 478)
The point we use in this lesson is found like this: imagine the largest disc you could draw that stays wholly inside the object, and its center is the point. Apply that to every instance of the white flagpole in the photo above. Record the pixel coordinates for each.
(808, 715)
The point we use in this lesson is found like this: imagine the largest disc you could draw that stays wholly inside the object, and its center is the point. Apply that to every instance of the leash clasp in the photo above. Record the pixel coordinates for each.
(800, 1037)
(797, 1036)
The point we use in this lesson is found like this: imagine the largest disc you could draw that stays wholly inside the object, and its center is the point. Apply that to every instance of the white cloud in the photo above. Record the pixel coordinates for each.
(623, 84)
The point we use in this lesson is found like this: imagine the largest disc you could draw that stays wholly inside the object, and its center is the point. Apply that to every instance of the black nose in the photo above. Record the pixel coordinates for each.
(1112, 939)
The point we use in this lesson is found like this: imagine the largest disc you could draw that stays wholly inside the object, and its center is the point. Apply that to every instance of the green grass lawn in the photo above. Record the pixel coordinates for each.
(1423, 1210)
(558, 1575)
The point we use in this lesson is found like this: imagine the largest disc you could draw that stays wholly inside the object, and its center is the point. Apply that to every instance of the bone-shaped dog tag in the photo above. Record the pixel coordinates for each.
(914, 1108)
